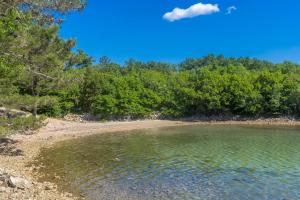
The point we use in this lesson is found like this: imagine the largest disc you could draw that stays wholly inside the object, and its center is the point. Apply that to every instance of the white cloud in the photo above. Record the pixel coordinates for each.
(193, 11)
(230, 10)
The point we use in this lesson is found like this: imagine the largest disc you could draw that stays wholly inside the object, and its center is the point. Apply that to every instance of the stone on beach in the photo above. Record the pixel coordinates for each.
(20, 183)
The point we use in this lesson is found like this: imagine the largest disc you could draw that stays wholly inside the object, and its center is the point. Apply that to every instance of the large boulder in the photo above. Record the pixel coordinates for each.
(13, 113)
(20, 183)
(6, 180)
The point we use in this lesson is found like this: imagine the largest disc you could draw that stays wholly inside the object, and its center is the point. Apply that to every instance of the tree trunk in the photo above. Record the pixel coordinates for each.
(35, 108)
(35, 93)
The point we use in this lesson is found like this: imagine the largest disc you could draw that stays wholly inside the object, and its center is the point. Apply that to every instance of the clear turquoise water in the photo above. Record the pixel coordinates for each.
(191, 162)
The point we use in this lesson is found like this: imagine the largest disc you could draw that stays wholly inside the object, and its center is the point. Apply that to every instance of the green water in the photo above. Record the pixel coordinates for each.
(191, 162)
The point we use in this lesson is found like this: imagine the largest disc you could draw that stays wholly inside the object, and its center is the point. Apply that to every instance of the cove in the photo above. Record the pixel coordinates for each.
(188, 162)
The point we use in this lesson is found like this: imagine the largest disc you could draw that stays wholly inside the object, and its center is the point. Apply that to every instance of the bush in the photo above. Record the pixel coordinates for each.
(20, 124)
(25, 124)
(3, 130)
(51, 106)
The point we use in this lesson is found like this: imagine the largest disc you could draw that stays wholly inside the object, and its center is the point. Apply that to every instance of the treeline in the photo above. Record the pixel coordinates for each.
(41, 74)
(211, 86)
(243, 87)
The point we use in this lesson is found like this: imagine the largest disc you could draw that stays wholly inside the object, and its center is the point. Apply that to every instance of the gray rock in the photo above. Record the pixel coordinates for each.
(13, 113)
(20, 183)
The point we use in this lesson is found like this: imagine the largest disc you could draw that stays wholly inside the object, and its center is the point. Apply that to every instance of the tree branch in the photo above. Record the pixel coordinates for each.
(41, 74)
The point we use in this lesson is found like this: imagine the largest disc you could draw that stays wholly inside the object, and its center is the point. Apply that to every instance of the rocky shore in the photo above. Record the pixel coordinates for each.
(15, 186)
(18, 179)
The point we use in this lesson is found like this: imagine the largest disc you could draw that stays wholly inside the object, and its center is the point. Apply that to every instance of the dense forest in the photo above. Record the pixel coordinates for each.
(43, 74)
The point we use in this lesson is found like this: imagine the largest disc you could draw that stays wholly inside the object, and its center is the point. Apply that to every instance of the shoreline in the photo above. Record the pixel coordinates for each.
(59, 130)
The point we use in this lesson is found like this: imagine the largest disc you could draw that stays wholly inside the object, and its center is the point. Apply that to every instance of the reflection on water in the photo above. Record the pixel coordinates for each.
(192, 162)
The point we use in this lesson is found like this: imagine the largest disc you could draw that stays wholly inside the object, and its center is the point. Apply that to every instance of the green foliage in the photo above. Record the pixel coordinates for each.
(34, 61)
(211, 90)
(20, 124)
(43, 11)
(47, 105)
(114, 92)
(227, 89)
(3, 130)
(41, 74)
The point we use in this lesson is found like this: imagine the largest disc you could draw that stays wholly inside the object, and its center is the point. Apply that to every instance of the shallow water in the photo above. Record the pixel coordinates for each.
(191, 162)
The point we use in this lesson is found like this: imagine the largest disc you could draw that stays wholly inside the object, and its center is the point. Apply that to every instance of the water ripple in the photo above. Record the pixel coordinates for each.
(196, 162)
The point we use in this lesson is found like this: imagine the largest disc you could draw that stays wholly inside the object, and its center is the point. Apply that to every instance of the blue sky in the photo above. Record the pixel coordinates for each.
(139, 29)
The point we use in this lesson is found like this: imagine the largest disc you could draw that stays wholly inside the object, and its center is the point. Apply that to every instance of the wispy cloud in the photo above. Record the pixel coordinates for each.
(230, 9)
(193, 11)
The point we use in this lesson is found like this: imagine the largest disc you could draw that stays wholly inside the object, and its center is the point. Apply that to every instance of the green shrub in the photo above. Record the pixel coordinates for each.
(25, 124)
(51, 106)
(3, 131)
(20, 124)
